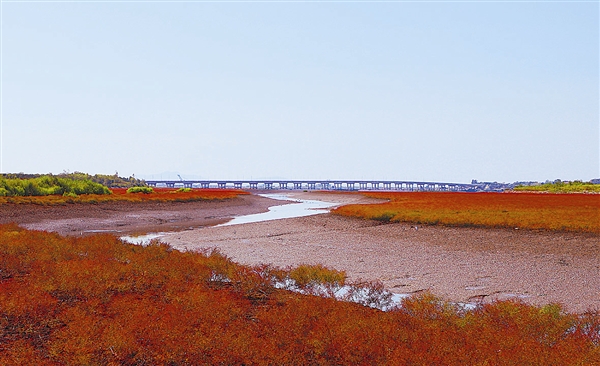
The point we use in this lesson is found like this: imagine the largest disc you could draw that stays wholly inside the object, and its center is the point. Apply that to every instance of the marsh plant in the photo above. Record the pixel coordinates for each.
(99, 301)
(145, 190)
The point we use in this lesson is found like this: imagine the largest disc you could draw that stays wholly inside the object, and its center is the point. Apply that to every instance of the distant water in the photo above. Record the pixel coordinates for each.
(299, 209)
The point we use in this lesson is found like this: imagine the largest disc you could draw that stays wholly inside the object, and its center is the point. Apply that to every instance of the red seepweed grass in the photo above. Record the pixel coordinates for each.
(121, 195)
(563, 212)
(98, 301)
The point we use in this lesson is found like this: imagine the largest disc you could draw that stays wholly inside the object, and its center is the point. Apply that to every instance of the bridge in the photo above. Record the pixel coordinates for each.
(330, 185)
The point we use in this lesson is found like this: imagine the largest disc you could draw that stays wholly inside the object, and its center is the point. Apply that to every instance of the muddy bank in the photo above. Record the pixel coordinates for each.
(132, 218)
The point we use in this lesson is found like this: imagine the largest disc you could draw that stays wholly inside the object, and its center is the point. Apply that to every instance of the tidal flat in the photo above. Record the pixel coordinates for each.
(468, 265)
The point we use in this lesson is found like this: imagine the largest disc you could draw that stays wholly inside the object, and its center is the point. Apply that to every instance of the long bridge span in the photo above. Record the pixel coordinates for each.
(329, 185)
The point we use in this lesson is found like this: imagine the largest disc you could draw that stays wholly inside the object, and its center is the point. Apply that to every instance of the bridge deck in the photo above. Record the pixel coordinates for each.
(334, 185)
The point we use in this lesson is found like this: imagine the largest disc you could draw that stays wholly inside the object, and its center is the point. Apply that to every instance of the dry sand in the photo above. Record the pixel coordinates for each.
(459, 264)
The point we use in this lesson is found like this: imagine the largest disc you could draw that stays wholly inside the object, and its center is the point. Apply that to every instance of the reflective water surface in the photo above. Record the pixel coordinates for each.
(299, 209)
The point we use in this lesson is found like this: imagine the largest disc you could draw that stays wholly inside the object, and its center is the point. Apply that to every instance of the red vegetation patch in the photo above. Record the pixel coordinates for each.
(96, 300)
(121, 195)
(566, 212)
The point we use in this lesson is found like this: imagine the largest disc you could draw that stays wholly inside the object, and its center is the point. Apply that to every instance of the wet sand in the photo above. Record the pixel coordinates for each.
(459, 264)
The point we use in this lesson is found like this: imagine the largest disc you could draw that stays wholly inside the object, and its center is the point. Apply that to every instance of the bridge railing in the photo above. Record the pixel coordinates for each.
(335, 185)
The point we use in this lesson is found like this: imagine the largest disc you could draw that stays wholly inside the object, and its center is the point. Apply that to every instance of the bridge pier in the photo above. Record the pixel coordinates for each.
(253, 185)
(297, 185)
(222, 185)
(237, 185)
(268, 185)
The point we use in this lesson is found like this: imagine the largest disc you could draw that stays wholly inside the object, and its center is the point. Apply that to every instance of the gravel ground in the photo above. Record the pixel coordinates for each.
(468, 265)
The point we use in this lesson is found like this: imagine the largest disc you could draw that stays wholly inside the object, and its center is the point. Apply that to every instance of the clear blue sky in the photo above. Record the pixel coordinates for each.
(496, 91)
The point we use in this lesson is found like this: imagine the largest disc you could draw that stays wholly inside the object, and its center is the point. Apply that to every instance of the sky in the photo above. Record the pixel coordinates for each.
(422, 91)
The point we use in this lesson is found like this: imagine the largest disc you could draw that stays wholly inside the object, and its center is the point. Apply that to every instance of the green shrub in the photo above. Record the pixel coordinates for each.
(49, 185)
(562, 187)
(183, 190)
(145, 190)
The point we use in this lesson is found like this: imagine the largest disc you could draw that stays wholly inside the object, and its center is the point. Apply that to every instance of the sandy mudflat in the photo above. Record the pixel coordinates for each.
(459, 264)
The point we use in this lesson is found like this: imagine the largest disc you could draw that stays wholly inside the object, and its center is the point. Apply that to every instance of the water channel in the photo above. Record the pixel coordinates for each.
(299, 208)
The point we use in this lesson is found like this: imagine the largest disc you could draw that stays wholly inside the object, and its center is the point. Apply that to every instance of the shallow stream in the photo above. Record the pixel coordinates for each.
(299, 208)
